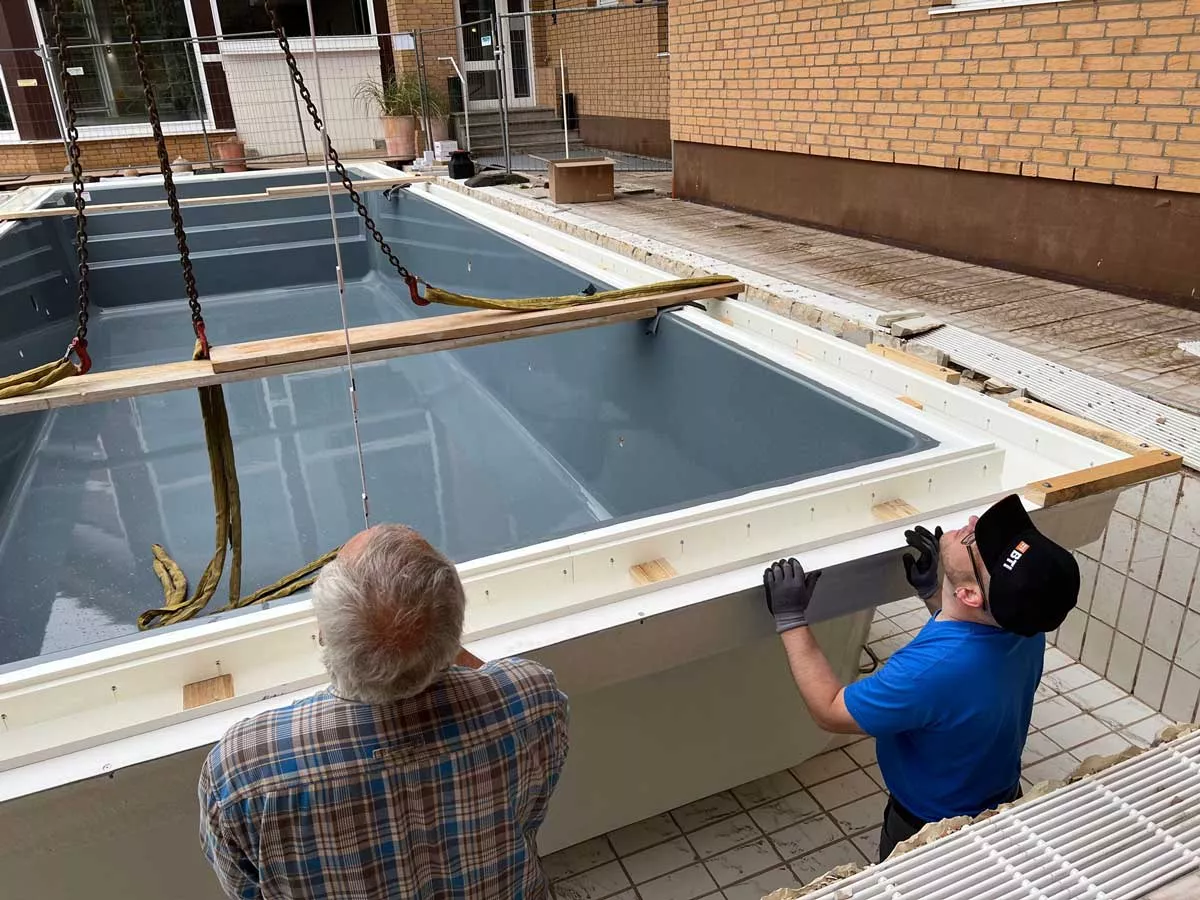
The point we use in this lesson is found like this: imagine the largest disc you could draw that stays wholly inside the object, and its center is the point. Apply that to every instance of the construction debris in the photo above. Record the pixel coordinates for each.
(907, 328)
(885, 320)
(831, 877)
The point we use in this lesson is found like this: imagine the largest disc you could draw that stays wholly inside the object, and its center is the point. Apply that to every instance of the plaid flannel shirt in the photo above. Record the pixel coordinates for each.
(439, 795)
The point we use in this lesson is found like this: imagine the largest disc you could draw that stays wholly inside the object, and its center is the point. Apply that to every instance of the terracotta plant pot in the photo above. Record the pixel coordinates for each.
(233, 155)
(400, 135)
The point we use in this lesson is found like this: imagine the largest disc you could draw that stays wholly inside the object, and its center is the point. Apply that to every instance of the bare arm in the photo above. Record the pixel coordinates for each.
(820, 688)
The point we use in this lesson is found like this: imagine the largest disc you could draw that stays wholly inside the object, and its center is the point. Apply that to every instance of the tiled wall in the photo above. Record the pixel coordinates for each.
(1138, 620)
(1104, 91)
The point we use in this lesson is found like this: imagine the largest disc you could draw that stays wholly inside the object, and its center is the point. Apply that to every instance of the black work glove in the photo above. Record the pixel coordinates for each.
(922, 570)
(789, 591)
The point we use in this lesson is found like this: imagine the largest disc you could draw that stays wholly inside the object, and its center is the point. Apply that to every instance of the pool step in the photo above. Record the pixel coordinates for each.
(227, 270)
(120, 223)
(161, 241)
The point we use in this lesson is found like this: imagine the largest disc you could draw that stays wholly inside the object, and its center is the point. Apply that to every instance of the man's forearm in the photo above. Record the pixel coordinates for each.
(819, 686)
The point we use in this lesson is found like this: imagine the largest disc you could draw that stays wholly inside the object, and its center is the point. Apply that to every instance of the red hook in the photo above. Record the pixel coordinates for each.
(78, 346)
(202, 337)
(413, 282)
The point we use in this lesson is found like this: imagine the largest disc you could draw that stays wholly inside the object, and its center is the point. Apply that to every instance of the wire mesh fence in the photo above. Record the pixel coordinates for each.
(517, 89)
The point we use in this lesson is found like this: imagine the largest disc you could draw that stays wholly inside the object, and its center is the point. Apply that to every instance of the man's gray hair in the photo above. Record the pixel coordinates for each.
(391, 616)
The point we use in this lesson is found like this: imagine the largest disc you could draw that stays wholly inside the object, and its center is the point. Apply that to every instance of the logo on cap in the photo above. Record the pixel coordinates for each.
(1015, 556)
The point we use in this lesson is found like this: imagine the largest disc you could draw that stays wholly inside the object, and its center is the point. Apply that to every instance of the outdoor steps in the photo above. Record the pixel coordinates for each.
(537, 131)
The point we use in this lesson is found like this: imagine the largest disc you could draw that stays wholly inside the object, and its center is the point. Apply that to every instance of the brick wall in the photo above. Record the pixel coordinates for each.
(612, 61)
(1102, 91)
(426, 15)
(112, 153)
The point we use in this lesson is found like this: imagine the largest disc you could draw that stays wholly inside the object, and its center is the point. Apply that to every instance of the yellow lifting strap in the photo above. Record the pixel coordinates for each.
(177, 605)
(525, 304)
(23, 383)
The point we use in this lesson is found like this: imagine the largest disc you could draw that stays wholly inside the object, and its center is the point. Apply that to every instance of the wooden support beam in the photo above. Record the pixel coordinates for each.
(98, 387)
(210, 690)
(911, 401)
(924, 366)
(1140, 467)
(456, 326)
(1118, 440)
(283, 192)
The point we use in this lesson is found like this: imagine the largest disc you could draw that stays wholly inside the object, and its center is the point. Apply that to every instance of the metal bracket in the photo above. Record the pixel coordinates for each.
(652, 328)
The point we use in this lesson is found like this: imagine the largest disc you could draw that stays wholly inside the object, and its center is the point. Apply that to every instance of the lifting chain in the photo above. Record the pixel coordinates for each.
(408, 277)
(164, 164)
(78, 344)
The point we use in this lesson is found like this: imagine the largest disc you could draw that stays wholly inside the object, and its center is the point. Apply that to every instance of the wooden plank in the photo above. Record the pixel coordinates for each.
(891, 510)
(911, 401)
(1109, 476)
(296, 348)
(210, 690)
(941, 373)
(653, 571)
(283, 192)
(1118, 440)
(99, 387)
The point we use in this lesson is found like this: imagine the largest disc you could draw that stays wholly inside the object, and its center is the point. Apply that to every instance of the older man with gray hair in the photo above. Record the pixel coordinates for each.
(419, 773)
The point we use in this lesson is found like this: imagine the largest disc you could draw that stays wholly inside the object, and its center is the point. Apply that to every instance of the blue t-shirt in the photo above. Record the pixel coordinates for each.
(949, 713)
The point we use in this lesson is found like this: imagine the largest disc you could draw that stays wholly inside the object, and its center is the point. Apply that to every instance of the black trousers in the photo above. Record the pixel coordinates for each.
(899, 824)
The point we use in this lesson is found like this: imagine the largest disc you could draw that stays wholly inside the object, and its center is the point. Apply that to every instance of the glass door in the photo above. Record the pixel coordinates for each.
(477, 44)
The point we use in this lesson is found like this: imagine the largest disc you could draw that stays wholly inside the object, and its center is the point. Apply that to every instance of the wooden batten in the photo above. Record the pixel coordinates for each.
(924, 366)
(456, 326)
(1116, 439)
(305, 353)
(1140, 467)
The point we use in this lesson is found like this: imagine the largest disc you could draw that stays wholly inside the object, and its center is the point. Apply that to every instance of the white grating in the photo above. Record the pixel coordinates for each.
(1077, 393)
(1114, 836)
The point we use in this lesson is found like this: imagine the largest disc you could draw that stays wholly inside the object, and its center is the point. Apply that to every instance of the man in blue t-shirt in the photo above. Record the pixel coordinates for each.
(949, 712)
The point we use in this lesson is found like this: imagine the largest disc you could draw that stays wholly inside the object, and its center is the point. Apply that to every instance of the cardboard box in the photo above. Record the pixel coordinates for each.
(583, 180)
(443, 149)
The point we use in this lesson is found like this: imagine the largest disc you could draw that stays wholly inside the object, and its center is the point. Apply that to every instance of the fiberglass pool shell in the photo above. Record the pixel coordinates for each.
(482, 449)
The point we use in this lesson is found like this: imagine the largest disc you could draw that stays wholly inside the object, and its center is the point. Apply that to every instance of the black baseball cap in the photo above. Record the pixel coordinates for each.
(1034, 581)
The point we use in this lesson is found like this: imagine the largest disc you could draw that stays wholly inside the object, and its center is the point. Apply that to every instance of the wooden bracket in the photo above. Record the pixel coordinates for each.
(890, 510)
(1118, 440)
(650, 572)
(924, 366)
(911, 401)
(210, 690)
(1140, 467)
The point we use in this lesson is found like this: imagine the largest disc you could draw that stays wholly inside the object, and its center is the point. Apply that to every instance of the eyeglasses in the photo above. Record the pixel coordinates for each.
(969, 542)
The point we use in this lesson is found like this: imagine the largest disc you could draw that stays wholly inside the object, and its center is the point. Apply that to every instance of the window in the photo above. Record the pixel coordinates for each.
(6, 120)
(332, 17)
(664, 36)
(102, 67)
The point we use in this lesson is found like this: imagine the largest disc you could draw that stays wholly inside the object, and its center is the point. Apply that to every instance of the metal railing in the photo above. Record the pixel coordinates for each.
(516, 89)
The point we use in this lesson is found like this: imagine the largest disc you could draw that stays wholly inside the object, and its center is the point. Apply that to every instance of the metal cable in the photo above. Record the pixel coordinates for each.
(332, 153)
(164, 164)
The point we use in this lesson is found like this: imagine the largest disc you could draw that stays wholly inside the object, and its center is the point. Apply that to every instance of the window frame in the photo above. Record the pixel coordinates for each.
(8, 135)
(200, 125)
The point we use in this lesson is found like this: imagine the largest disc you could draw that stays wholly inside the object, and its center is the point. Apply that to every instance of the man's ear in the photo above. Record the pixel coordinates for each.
(969, 595)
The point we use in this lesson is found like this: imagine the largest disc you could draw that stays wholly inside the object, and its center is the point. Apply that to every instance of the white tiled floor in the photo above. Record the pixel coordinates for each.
(790, 827)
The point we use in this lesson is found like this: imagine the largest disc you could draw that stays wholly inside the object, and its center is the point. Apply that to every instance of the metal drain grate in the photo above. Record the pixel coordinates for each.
(1115, 836)
(1075, 392)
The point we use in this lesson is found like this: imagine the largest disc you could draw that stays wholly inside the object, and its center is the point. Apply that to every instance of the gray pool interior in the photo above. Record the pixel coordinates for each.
(483, 449)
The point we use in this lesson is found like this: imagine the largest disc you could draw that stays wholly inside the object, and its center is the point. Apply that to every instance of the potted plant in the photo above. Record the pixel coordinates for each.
(232, 154)
(398, 102)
